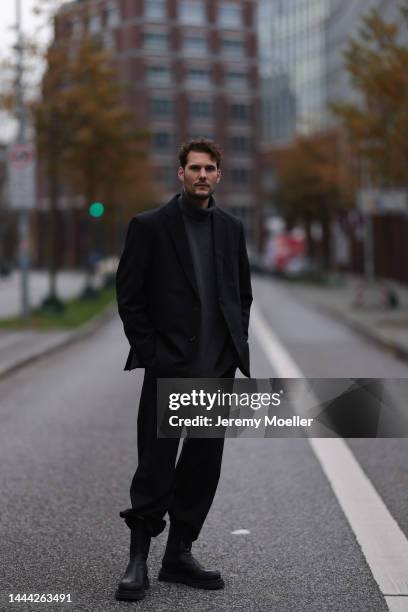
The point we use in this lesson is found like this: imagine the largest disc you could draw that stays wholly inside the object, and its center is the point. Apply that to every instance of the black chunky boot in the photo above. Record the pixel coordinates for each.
(135, 580)
(179, 565)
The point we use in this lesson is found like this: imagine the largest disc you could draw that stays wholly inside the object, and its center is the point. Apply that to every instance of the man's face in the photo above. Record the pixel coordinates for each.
(200, 176)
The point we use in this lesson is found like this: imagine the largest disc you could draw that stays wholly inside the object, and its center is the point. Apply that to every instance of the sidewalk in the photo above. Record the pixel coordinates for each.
(386, 327)
(18, 349)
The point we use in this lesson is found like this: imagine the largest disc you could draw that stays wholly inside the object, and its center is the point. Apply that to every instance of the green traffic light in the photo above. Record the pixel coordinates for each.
(96, 209)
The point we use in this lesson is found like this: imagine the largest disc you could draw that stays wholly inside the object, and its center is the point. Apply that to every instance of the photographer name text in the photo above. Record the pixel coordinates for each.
(274, 421)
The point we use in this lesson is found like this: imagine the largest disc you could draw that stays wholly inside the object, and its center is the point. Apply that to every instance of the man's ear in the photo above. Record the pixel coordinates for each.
(218, 175)
(180, 173)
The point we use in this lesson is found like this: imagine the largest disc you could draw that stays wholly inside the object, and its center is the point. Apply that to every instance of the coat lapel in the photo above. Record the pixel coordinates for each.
(175, 225)
(220, 247)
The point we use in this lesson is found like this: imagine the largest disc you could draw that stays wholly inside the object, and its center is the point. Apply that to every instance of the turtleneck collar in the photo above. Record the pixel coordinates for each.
(190, 208)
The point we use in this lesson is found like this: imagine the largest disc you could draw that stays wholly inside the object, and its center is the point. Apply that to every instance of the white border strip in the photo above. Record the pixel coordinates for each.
(384, 545)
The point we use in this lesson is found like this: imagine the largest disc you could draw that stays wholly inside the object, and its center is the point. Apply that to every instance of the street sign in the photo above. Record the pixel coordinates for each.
(21, 176)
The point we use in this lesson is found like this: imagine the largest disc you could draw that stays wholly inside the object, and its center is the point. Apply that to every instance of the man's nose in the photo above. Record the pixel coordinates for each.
(203, 173)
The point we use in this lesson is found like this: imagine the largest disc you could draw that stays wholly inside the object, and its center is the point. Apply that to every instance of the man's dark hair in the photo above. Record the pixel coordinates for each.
(201, 145)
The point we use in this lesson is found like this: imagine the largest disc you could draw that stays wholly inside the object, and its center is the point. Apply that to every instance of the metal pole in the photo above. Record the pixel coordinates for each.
(368, 232)
(368, 248)
(23, 222)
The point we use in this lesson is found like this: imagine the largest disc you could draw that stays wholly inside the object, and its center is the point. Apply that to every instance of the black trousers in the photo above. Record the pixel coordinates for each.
(185, 490)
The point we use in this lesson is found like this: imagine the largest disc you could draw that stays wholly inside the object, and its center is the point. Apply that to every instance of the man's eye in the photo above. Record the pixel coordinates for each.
(207, 168)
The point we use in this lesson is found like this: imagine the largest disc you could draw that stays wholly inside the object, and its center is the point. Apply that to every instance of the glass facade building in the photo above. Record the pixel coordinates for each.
(301, 47)
(301, 58)
(292, 60)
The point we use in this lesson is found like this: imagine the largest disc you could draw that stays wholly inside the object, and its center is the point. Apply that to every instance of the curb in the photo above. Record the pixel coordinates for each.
(56, 344)
(399, 350)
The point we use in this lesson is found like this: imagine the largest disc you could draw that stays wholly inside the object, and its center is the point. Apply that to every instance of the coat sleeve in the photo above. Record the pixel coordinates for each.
(245, 288)
(130, 291)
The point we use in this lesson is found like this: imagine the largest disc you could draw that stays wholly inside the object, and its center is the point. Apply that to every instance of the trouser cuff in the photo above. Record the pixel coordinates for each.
(154, 525)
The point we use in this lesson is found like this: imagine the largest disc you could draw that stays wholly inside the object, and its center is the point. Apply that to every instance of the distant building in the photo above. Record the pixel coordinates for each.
(292, 59)
(278, 109)
(302, 43)
(191, 69)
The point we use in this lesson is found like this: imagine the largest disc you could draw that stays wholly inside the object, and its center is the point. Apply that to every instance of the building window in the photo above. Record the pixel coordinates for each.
(232, 47)
(112, 16)
(201, 134)
(158, 74)
(108, 40)
(195, 45)
(241, 144)
(192, 12)
(229, 15)
(155, 10)
(157, 41)
(240, 176)
(201, 109)
(161, 108)
(236, 79)
(269, 179)
(95, 23)
(198, 76)
(77, 27)
(166, 176)
(162, 141)
(240, 112)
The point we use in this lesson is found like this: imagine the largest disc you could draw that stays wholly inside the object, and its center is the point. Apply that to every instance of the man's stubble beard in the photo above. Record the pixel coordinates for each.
(199, 196)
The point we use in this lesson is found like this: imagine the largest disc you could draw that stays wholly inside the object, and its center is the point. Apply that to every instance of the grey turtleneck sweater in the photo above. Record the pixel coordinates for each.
(215, 354)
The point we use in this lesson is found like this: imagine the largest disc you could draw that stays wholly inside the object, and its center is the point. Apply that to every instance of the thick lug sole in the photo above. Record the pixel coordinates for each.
(180, 578)
(129, 595)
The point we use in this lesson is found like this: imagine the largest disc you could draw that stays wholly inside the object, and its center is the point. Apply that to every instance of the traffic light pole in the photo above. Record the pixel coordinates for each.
(23, 220)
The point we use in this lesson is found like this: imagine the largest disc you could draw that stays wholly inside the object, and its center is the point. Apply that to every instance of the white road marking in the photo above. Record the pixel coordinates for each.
(240, 532)
(278, 356)
(383, 543)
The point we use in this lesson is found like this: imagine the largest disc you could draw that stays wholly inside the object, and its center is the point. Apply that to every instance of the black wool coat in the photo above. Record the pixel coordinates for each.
(157, 293)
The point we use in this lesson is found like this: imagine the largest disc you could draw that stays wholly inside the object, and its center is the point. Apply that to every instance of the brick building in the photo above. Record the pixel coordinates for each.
(190, 69)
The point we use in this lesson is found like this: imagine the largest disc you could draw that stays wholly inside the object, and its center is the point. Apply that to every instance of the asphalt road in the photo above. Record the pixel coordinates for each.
(68, 451)
(324, 348)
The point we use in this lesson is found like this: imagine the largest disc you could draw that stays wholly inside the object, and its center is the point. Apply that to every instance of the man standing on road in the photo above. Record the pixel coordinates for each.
(184, 296)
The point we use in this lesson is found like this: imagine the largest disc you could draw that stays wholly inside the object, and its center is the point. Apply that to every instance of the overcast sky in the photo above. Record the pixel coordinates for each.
(8, 19)
(31, 25)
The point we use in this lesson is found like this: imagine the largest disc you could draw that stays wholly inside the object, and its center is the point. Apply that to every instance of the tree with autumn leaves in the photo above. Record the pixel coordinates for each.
(319, 174)
(314, 183)
(87, 143)
(377, 124)
(86, 136)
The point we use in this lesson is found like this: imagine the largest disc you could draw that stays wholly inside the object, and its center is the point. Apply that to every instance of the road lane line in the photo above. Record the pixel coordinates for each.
(383, 543)
(278, 356)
